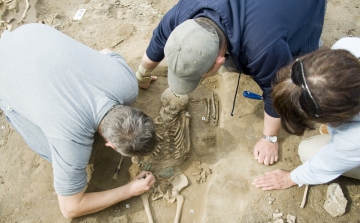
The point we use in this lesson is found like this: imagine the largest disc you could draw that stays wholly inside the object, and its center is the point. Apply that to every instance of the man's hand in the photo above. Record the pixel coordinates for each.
(86, 203)
(277, 179)
(142, 183)
(266, 152)
(146, 85)
(143, 74)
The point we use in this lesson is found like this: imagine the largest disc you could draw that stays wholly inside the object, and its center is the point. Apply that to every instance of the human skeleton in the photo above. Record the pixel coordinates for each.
(173, 147)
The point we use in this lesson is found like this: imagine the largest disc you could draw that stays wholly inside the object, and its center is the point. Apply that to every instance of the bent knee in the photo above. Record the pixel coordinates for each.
(311, 146)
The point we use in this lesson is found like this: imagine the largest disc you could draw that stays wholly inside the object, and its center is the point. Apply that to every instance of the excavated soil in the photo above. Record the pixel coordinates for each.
(125, 26)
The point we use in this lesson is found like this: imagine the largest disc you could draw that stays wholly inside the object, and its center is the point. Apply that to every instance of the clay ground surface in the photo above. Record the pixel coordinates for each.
(125, 26)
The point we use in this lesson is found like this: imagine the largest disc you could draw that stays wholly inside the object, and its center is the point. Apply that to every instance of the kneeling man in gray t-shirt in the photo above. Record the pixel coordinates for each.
(57, 93)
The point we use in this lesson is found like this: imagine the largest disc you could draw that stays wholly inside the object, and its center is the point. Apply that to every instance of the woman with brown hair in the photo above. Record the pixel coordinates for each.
(320, 87)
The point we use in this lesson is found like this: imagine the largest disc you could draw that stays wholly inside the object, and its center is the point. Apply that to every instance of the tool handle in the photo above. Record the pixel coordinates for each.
(252, 95)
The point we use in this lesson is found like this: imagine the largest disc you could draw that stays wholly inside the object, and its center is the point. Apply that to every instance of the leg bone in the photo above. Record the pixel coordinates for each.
(213, 112)
(304, 197)
(208, 113)
(206, 107)
(180, 203)
(145, 200)
(217, 112)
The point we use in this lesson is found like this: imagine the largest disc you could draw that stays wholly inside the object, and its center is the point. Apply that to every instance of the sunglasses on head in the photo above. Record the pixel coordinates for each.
(307, 101)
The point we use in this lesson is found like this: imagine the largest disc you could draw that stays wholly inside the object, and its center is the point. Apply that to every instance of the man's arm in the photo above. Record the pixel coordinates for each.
(155, 49)
(86, 203)
(267, 152)
(146, 65)
(263, 68)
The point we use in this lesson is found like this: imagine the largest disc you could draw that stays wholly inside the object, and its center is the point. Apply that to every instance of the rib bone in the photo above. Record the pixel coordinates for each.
(177, 129)
(180, 144)
(179, 138)
(180, 133)
(174, 120)
(159, 136)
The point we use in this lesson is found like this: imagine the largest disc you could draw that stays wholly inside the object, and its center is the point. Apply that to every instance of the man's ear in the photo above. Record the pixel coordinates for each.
(109, 144)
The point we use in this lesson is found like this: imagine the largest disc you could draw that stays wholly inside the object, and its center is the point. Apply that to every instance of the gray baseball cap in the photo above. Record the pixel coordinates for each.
(190, 51)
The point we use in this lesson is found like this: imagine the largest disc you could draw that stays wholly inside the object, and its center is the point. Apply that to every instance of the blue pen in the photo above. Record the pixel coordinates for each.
(252, 95)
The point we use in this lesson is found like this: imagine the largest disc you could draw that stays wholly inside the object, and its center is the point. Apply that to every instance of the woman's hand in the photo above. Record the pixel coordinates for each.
(277, 179)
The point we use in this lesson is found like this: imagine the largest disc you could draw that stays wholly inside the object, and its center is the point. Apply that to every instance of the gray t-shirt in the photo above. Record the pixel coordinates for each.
(65, 88)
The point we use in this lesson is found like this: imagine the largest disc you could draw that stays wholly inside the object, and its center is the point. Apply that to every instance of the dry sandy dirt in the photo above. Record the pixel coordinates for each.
(125, 26)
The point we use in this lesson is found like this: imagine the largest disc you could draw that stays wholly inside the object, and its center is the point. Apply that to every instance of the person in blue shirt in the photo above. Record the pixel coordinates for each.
(321, 87)
(250, 36)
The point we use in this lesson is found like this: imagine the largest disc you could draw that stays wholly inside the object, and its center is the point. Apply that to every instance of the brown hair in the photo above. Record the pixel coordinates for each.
(333, 77)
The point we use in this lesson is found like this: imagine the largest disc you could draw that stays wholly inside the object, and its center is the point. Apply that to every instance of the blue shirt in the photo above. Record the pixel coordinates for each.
(262, 35)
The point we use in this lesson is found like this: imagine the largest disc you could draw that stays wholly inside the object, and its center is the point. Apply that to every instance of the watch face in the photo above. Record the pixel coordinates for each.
(273, 138)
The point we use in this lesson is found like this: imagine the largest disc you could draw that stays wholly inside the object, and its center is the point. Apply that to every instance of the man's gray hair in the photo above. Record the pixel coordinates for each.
(131, 131)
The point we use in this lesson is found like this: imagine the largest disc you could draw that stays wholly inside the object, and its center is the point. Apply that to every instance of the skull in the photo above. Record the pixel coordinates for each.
(172, 104)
